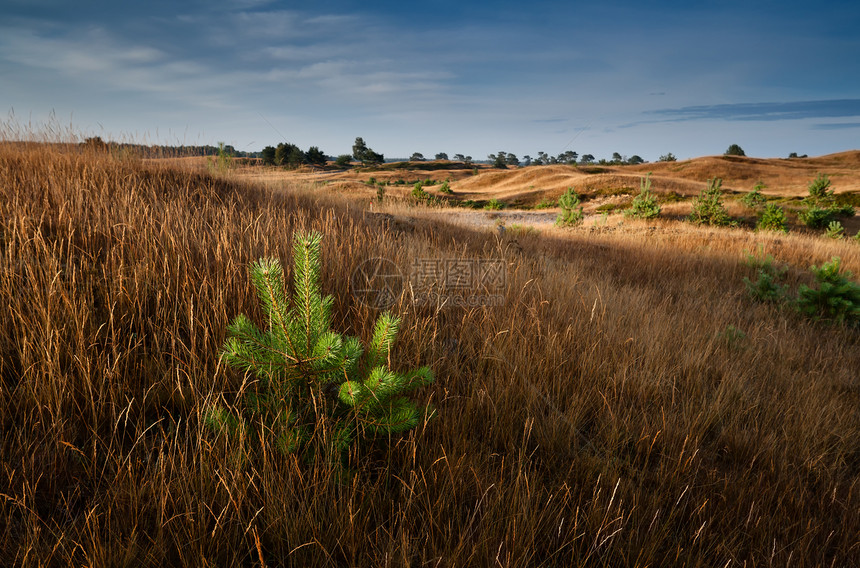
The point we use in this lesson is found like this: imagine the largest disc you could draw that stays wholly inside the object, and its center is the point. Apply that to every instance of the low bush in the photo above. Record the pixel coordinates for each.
(835, 230)
(494, 205)
(772, 219)
(644, 205)
(755, 198)
(571, 210)
(708, 208)
(836, 297)
(816, 217)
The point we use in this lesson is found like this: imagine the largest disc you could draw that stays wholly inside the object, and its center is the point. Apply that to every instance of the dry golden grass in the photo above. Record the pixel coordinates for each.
(601, 416)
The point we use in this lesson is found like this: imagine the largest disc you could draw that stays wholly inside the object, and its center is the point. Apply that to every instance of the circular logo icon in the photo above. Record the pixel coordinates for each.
(377, 283)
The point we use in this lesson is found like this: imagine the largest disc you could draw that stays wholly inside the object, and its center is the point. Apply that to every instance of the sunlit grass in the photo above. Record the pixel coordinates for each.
(599, 417)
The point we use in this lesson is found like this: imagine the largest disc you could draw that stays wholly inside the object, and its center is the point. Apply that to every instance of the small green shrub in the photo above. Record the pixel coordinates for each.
(708, 208)
(318, 393)
(836, 297)
(419, 193)
(546, 204)
(571, 210)
(816, 217)
(844, 210)
(494, 205)
(766, 287)
(835, 230)
(819, 191)
(732, 336)
(380, 193)
(446, 189)
(755, 199)
(644, 205)
(772, 219)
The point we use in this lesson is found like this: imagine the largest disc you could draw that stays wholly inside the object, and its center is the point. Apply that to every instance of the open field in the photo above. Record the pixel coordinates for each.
(627, 404)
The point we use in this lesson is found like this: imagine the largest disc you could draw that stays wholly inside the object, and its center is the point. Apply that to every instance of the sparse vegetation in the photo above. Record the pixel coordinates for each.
(755, 199)
(571, 211)
(494, 205)
(836, 297)
(644, 205)
(708, 208)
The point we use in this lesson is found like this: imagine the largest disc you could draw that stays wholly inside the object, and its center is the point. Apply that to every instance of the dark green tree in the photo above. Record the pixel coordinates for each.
(416, 157)
(499, 160)
(343, 160)
(315, 157)
(365, 155)
(268, 156)
(441, 156)
(734, 150)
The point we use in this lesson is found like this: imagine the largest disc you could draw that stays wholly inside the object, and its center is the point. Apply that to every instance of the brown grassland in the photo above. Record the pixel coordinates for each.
(604, 415)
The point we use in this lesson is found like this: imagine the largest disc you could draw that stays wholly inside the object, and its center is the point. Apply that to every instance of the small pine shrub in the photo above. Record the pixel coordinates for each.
(755, 199)
(494, 205)
(380, 193)
(836, 297)
(732, 336)
(644, 205)
(708, 208)
(766, 287)
(571, 211)
(816, 217)
(835, 230)
(318, 392)
(844, 210)
(419, 193)
(546, 204)
(446, 189)
(820, 191)
(772, 219)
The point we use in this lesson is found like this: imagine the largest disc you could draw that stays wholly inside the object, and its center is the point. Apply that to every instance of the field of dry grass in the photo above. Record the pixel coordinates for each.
(608, 413)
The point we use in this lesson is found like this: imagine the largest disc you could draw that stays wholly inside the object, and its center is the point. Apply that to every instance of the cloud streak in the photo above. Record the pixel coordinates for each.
(797, 110)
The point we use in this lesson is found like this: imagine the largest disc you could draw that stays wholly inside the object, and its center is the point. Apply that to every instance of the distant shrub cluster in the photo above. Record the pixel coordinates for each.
(835, 298)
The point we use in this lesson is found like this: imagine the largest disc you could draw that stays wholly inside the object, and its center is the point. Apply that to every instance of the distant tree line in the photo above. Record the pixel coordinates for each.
(568, 157)
(165, 151)
(291, 156)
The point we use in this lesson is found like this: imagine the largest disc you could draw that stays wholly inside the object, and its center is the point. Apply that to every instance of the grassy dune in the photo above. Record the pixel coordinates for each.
(605, 415)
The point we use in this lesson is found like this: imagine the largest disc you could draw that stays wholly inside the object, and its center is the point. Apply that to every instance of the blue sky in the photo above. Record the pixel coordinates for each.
(440, 76)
